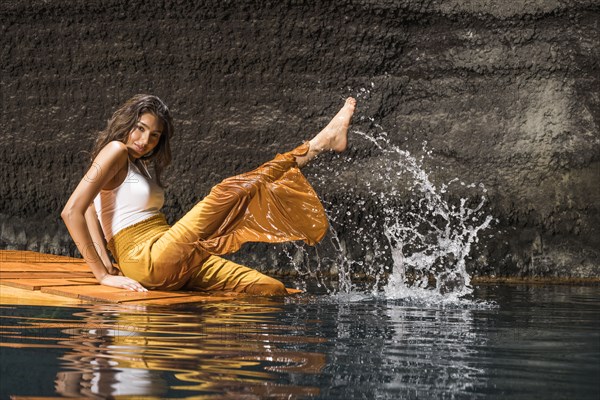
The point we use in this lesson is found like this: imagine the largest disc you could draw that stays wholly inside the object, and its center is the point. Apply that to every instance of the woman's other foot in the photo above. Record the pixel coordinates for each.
(334, 136)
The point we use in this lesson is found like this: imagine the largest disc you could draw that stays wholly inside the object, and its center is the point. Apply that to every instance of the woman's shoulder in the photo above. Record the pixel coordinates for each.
(114, 151)
(112, 164)
(115, 146)
(112, 157)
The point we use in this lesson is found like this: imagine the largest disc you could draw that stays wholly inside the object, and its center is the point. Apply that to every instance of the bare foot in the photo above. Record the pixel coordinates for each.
(334, 136)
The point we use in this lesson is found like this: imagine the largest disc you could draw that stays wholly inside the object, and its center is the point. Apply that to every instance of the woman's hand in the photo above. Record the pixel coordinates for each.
(122, 282)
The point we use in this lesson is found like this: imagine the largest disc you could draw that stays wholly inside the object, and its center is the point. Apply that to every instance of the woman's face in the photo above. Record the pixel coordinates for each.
(144, 136)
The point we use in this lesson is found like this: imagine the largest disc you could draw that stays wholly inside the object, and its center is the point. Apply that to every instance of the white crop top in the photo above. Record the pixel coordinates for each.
(134, 200)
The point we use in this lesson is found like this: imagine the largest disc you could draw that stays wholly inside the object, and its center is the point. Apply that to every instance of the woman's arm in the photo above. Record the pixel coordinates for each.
(95, 229)
(111, 159)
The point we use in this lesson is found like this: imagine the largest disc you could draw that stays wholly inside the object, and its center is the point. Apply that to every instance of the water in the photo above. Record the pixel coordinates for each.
(536, 342)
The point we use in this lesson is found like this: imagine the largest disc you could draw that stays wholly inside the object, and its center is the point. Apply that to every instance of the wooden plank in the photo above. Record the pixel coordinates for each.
(107, 294)
(197, 298)
(51, 265)
(15, 296)
(44, 275)
(41, 267)
(37, 284)
(33, 256)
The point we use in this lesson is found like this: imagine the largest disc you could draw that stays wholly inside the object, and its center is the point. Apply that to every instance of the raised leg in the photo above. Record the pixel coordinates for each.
(273, 204)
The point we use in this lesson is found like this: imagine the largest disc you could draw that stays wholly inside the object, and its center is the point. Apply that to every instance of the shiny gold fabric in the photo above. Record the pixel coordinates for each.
(274, 203)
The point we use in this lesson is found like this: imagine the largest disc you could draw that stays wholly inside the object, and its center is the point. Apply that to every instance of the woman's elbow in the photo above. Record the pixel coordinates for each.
(64, 214)
(67, 213)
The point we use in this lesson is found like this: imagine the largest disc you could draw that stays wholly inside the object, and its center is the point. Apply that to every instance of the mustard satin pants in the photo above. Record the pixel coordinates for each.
(273, 203)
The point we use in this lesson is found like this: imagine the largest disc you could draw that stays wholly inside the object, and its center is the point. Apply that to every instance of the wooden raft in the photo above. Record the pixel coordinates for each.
(28, 277)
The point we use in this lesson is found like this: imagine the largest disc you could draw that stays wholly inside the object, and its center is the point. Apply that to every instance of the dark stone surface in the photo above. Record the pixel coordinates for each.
(505, 93)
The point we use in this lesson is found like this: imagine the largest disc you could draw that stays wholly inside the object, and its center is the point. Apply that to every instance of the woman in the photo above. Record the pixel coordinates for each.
(117, 203)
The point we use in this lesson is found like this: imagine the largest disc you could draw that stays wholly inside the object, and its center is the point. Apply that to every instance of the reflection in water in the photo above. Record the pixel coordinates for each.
(399, 350)
(306, 347)
(443, 342)
(539, 342)
(216, 348)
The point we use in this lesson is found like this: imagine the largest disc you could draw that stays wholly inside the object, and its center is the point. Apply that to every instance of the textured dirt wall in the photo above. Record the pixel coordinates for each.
(504, 94)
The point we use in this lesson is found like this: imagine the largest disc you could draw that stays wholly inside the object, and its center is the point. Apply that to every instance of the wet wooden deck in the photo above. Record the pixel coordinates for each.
(28, 277)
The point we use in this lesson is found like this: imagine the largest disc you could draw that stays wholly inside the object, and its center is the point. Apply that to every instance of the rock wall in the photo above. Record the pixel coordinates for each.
(505, 93)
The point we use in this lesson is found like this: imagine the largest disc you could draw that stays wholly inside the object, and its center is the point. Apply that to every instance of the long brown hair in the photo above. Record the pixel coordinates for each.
(125, 119)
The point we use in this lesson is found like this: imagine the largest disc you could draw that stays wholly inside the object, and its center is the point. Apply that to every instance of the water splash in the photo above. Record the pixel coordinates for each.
(413, 237)
(430, 241)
